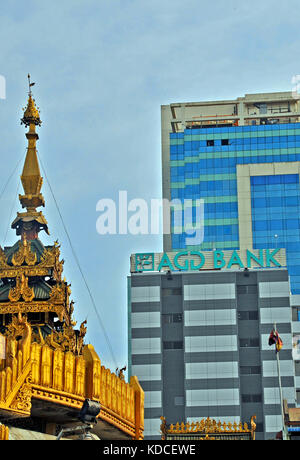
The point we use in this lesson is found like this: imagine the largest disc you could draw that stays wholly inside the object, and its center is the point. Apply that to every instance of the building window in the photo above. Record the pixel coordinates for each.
(171, 291)
(224, 141)
(297, 368)
(262, 108)
(173, 345)
(247, 289)
(259, 427)
(210, 143)
(248, 315)
(248, 398)
(172, 318)
(250, 370)
(249, 342)
(179, 401)
(296, 314)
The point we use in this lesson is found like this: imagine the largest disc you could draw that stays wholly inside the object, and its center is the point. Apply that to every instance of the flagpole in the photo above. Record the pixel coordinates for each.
(280, 391)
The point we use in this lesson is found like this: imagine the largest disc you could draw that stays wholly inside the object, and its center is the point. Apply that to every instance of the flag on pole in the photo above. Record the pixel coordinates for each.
(275, 339)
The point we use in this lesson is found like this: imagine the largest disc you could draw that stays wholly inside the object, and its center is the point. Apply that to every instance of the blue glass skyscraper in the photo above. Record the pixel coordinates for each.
(242, 159)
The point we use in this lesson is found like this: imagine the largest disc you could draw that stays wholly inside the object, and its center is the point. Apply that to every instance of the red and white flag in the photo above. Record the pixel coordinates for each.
(275, 339)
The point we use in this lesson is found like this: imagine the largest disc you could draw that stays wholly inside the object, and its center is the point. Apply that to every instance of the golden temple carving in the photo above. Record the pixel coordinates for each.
(21, 290)
(3, 260)
(50, 259)
(24, 254)
(65, 340)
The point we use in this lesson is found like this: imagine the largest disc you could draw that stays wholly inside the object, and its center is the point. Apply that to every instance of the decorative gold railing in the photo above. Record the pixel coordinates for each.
(39, 371)
(208, 429)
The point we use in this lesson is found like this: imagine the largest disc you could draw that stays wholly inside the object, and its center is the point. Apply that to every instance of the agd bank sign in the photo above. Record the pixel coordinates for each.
(208, 260)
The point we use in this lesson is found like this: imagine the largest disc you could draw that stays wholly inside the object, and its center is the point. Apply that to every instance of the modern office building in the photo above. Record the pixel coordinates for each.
(199, 324)
(242, 158)
(235, 165)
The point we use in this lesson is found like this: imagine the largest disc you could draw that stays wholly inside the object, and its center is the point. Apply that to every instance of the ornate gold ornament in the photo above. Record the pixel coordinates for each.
(24, 254)
(34, 307)
(19, 328)
(21, 290)
(22, 401)
(207, 426)
(57, 294)
(50, 259)
(27, 271)
(66, 340)
(31, 113)
(3, 260)
(253, 426)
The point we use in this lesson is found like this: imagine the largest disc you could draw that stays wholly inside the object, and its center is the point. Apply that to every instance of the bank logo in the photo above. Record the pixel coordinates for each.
(2, 87)
(144, 262)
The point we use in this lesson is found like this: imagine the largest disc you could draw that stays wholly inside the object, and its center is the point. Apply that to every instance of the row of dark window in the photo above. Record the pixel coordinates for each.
(246, 398)
(170, 318)
(250, 370)
(249, 342)
(251, 398)
(248, 315)
(171, 291)
(211, 142)
(241, 289)
(178, 345)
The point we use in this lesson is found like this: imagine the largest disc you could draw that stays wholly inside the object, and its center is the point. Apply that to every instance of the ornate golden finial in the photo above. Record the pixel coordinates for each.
(31, 222)
(31, 113)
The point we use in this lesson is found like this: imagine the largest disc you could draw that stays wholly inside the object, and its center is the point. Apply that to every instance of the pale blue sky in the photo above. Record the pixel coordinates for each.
(103, 68)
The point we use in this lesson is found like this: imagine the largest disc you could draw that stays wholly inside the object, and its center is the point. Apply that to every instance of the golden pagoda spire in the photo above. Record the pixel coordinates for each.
(29, 223)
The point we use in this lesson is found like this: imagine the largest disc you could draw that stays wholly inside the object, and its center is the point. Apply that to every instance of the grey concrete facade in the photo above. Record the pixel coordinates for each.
(198, 343)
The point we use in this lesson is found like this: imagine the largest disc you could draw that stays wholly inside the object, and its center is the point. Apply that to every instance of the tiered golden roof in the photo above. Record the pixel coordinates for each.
(48, 368)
